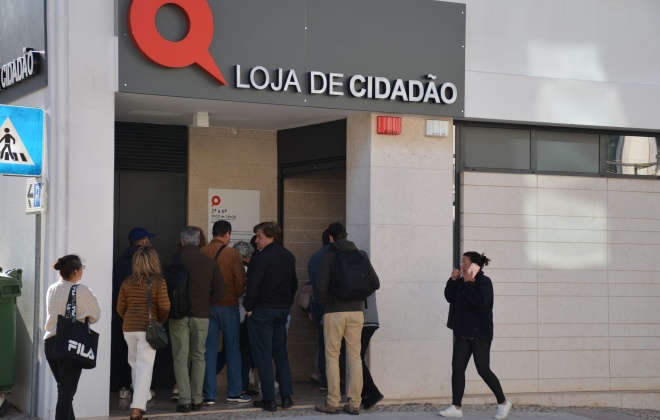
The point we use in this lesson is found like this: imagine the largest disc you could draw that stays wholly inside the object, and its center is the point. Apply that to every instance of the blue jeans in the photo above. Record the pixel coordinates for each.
(267, 330)
(225, 319)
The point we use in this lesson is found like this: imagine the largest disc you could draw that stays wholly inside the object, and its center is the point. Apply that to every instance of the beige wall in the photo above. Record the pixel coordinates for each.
(311, 203)
(576, 278)
(246, 161)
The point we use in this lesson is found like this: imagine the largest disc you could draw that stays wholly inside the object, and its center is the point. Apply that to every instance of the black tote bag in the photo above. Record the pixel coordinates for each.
(75, 342)
(156, 335)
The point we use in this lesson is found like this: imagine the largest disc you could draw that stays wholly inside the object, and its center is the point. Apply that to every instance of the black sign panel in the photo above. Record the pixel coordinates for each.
(399, 56)
(23, 27)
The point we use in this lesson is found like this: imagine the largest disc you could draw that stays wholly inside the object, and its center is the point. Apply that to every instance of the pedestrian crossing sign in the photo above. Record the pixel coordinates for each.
(21, 140)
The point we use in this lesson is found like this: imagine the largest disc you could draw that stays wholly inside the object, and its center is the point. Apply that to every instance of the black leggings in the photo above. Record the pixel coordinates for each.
(67, 377)
(463, 349)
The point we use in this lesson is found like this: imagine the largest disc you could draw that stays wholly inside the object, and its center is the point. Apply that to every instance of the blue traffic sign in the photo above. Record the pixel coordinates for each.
(21, 140)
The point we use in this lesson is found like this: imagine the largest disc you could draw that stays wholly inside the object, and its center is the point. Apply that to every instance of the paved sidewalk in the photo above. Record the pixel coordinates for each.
(428, 411)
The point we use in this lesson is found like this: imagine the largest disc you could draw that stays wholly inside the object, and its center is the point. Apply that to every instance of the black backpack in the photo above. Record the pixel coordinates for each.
(176, 277)
(351, 280)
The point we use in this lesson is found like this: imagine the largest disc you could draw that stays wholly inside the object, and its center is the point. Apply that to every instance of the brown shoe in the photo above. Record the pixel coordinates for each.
(351, 410)
(325, 408)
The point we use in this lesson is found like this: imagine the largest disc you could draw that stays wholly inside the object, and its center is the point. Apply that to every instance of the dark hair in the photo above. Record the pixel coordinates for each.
(325, 237)
(270, 230)
(337, 231)
(253, 242)
(221, 227)
(67, 265)
(479, 259)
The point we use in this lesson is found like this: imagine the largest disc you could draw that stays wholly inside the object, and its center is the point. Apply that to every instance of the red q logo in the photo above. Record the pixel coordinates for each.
(193, 49)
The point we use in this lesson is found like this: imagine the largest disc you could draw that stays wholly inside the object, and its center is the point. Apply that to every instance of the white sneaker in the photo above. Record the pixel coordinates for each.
(125, 393)
(503, 410)
(451, 411)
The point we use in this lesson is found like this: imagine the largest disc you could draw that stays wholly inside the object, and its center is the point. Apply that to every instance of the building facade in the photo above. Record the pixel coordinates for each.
(550, 169)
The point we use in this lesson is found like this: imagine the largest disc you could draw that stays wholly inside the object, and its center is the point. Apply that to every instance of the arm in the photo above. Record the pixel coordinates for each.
(121, 302)
(323, 277)
(374, 281)
(218, 286)
(239, 276)
(163, 302)
(479, 293)
(92, 309)
(450, 290)
(294, 282)
(255, 275)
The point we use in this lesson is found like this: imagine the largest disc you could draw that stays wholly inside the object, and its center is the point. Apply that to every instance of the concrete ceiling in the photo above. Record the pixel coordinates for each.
(153, 109)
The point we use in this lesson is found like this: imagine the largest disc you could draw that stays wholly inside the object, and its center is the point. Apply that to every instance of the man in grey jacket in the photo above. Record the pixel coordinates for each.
(343, 319)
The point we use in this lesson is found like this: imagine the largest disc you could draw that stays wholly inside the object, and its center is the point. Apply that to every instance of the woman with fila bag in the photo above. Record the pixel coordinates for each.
(87, 307)
(133, 308)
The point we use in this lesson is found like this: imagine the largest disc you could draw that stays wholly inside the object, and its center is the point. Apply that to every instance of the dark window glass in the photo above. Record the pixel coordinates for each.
(567, 152)
(497, 148)
(632, 155)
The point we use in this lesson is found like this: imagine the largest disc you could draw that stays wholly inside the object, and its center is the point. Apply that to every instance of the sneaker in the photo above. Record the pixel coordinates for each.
(125, 393)
(175, 394)
(503, 410)
(239, 399)
(151, 394)
(315, 377)
(451, 411)
(323, 407)
(323, 388)
(208, 402)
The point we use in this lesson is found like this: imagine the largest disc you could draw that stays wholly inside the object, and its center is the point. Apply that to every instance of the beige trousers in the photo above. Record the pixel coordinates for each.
(346, 325)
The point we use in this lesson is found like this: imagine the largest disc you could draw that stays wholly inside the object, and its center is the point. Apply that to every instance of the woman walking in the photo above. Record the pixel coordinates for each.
(471, 292)
(132, 306)
(87, 306)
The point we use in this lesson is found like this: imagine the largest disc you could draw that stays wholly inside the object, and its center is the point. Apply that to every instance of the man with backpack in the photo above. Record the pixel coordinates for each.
(345, 279)
(204, 286)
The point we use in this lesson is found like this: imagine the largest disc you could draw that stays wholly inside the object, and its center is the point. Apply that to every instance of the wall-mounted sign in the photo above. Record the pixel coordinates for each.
(386, 55)
(21, 140)
(20, 69)
(238, 207)
(34, 196)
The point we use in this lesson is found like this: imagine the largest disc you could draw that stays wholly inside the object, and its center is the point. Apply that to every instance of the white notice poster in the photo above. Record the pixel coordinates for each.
(238, 207)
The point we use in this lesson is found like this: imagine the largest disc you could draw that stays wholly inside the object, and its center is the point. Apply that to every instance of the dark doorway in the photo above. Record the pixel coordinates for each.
(150, 191)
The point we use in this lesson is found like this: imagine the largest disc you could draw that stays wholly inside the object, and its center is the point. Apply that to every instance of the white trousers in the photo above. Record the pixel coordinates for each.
(141, 359)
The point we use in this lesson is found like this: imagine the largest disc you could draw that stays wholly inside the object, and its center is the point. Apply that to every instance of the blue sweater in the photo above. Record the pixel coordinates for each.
(473, 307)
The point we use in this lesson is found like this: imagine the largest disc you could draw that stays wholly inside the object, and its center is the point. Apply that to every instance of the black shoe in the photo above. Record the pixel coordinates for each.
(371, 401)
(183, 408)
(287, 402)
(251, 392)
(196, 406)
(266, 405)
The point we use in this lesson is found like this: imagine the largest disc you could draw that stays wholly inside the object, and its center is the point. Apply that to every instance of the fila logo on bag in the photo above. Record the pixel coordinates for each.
(80, 349)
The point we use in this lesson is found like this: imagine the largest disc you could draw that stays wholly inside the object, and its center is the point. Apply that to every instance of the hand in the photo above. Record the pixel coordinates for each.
(248, 313)
(468, 277)
(455, 274)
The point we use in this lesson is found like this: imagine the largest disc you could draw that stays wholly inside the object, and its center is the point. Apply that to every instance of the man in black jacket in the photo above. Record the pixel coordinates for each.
(271, 286)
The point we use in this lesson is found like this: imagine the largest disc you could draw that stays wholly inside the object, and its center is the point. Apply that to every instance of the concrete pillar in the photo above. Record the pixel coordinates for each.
(399, 209)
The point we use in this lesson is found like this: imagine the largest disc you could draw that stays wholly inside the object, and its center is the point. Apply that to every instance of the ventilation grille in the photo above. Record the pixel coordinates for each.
(151, 147)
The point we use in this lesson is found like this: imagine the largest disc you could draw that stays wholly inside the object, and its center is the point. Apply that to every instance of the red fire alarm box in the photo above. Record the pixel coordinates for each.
(389, 125)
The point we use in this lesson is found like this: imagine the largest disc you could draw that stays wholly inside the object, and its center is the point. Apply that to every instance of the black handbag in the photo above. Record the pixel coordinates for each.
(75, 342)
(156, 334)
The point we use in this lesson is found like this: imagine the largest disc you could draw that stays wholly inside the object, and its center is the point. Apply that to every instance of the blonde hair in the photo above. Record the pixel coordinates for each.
(145, 264)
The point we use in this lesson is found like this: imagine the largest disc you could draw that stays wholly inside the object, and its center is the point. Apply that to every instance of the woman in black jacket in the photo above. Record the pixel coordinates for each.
(472, 296)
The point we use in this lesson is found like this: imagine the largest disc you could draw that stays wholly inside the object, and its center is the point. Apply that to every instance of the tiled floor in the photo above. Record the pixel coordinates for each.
(305, 394)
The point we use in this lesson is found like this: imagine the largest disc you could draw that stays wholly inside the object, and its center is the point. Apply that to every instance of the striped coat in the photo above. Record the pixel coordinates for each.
(132, 303)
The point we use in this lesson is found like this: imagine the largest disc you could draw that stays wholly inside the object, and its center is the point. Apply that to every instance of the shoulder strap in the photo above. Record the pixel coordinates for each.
(71, 304)
(219, 251)
(149, 296)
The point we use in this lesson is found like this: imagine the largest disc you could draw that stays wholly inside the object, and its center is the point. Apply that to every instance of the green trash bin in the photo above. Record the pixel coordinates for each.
(10, 289)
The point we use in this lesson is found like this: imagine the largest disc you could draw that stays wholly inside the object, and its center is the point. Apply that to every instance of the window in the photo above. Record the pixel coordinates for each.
(497, 148)
(567, 152)
(632, 155)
